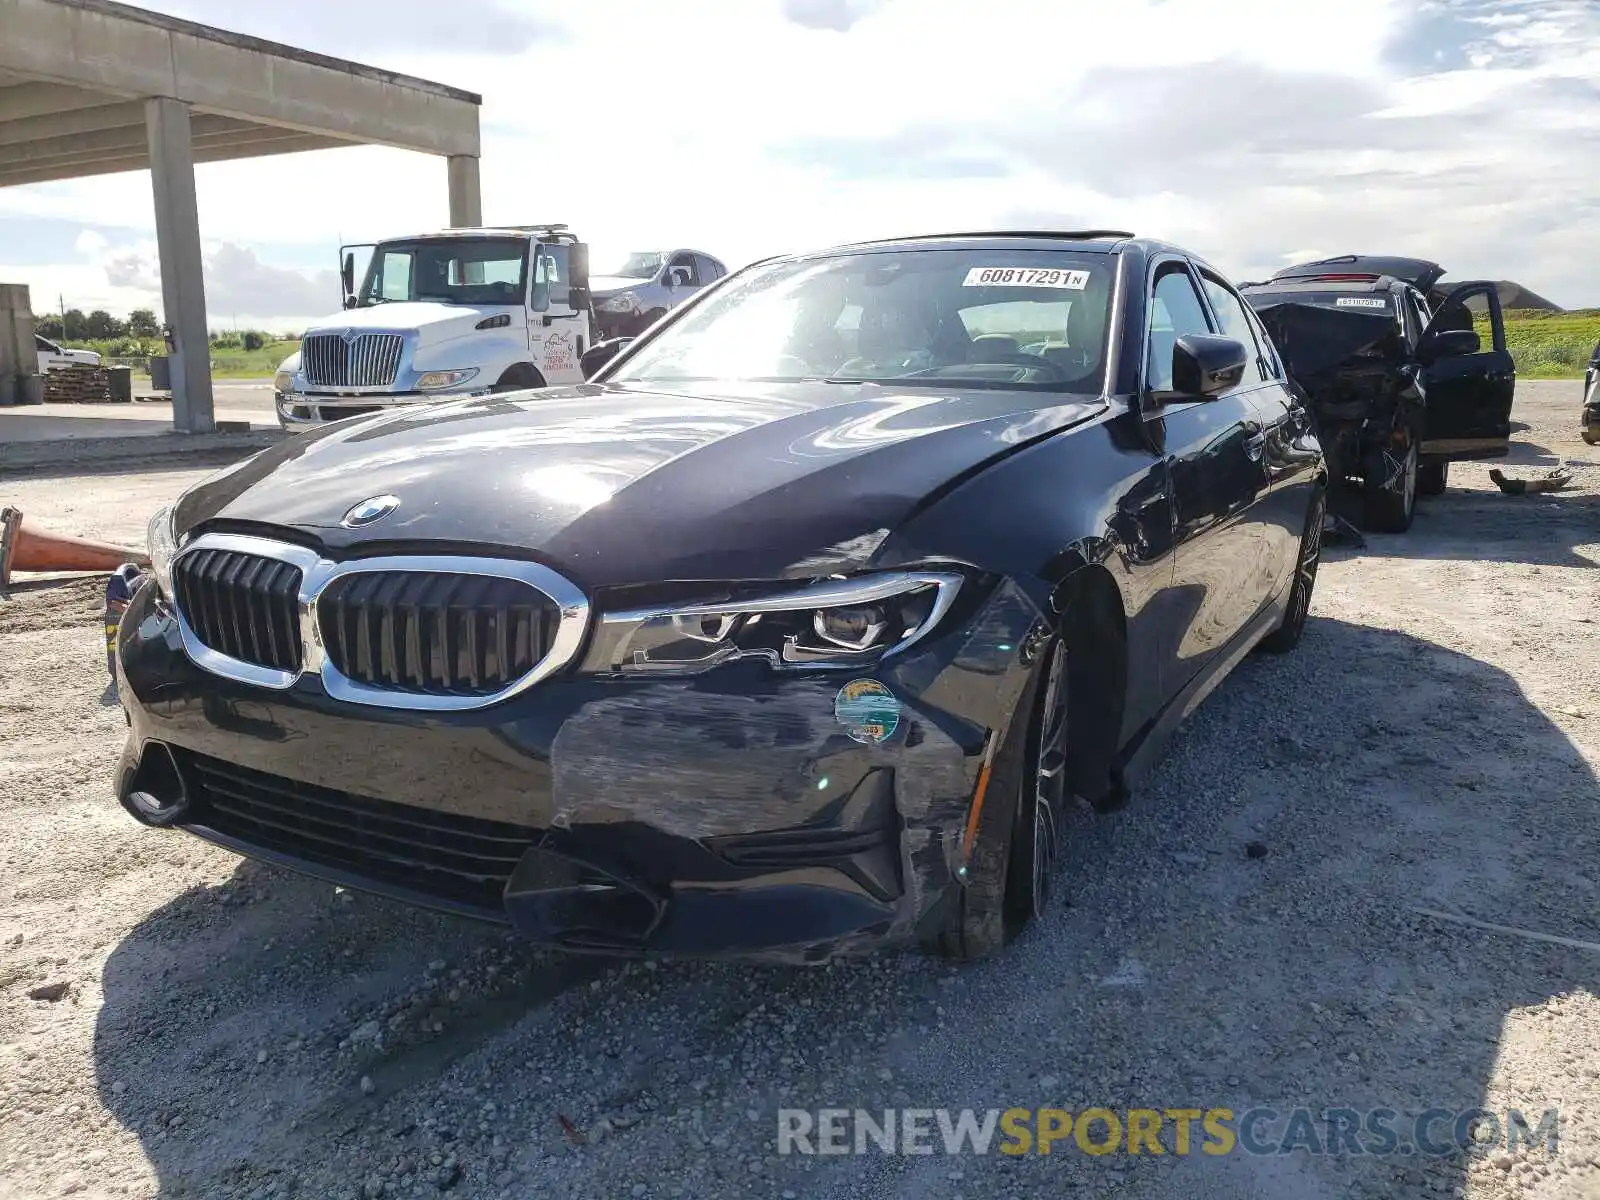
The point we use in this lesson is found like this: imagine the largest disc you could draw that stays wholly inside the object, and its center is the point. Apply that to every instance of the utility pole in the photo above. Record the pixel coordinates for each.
(62, 302)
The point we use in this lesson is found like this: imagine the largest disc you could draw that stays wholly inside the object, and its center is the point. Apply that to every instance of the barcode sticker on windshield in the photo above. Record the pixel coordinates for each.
(1359, 302)
(1039, 277)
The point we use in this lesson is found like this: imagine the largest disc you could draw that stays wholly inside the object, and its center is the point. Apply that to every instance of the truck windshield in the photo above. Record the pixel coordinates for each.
(448, 270)
(641, 264)
(966, 318)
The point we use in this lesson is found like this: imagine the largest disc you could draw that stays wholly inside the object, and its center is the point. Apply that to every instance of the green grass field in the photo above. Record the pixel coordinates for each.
(1549, 345)
(226, 363)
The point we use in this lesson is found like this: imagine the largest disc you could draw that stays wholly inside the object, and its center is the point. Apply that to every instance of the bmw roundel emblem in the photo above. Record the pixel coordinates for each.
(372, 509)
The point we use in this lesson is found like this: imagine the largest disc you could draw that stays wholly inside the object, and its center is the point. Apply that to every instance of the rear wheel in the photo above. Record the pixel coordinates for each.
(1389, 483)
(1433, 476)
(1287, 635)
(1014, 856)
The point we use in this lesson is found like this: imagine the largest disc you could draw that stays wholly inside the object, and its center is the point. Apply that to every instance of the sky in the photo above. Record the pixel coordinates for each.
(1253, 132)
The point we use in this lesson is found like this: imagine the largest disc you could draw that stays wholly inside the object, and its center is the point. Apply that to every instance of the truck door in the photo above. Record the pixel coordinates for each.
(1468, 387)
(556, 328)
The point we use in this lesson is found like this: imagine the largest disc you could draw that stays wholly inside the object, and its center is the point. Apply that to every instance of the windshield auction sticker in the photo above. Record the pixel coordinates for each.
(1038, 277)
(868, 710)
(1359, 302)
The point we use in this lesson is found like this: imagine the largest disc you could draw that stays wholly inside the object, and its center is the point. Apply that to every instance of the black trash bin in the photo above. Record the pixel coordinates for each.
(121, 382)
(160, 373)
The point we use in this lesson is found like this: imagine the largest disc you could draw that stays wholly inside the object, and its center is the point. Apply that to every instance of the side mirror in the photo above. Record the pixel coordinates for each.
(1206, 365)
(579, 298)
(669, 278)
(578, 267)
(347, 276)
(599, 354)
(1449, 343)
(349, 301)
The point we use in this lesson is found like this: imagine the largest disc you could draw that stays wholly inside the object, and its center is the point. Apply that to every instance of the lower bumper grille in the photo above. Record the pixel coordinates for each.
(464, 861)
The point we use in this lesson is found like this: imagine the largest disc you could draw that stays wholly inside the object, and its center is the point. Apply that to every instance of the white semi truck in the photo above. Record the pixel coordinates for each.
(463, 312)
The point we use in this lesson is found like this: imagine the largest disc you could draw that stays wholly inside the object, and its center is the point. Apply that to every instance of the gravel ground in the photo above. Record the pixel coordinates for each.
(231, 1030)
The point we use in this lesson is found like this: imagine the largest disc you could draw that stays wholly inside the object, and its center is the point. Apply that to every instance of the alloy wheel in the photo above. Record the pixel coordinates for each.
(1049, 778)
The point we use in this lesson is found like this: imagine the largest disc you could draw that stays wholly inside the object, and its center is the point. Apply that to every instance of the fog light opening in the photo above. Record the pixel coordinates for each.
(156, 794)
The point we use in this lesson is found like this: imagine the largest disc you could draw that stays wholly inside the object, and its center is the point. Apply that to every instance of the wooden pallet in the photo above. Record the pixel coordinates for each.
(77, 384)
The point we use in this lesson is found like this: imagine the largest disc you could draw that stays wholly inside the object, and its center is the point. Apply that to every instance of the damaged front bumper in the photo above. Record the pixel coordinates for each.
(309, 410)
(728, 814)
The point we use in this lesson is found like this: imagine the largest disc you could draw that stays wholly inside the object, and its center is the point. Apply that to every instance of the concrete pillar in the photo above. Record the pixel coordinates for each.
(183, 293)
(466, 201)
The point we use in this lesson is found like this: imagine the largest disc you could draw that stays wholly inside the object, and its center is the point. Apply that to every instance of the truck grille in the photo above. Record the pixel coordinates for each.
(435, 633)
(330, 360)
(465, 861)
(241, 605)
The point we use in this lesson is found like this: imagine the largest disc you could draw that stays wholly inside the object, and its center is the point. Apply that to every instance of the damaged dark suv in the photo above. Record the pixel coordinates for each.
(1396, 374)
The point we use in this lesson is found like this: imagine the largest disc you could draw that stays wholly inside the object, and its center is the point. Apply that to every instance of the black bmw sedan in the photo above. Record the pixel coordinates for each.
(790, 633)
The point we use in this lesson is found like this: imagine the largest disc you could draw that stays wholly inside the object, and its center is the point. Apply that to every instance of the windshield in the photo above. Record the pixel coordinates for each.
(641, 264)
(449, 270)
(980, 319)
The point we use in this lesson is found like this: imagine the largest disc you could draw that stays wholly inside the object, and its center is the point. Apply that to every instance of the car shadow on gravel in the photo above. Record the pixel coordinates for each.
(1381, 775)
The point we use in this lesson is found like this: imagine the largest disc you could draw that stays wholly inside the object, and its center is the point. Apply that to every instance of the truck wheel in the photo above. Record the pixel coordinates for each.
(1433, 476)
(1014, 857)
(1389, 483)
(518, 377)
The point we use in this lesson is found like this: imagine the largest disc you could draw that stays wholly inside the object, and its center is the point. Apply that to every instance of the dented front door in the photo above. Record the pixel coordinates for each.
(1468, 395)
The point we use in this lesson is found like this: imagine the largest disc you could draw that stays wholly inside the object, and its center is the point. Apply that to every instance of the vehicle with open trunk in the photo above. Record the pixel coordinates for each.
(1395, 371)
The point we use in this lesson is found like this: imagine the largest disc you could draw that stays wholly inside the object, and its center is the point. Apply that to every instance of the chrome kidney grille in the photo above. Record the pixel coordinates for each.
(435, 633)
(242, 605)
(411, 631)
(329, 360)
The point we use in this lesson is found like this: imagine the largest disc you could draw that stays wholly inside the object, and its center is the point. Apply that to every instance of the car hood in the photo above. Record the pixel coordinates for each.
(606, 285)
(616, 485)
(431, 320)
(1314, 338)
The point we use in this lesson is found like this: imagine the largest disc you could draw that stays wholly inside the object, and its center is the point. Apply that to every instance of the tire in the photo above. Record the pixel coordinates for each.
(1287, 635)
(1389, 484)
(1014, 857)
(1433, 476)
(516, 378)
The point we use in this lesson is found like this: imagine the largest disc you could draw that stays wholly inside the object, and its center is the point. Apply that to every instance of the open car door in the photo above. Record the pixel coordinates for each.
(1468, 386)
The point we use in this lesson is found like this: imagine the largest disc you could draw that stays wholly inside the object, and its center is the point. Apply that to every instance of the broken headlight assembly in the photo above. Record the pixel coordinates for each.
(839, 622)
(161, 545)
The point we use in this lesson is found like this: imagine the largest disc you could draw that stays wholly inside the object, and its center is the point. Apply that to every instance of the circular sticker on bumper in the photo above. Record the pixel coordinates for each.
(867, 709)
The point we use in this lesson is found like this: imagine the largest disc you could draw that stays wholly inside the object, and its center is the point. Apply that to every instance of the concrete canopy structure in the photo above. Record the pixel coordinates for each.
(92, 87)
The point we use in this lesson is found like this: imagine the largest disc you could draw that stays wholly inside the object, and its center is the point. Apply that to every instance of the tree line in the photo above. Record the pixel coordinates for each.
(74, 325)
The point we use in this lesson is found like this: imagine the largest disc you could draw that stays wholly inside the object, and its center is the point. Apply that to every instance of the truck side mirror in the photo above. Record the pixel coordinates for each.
(347, 276)
(578, 266)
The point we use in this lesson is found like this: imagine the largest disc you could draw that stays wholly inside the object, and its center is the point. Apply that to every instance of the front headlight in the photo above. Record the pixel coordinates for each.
(432, 380)
(853, 622)
(161, 545)
(283, 381)
(624, 303)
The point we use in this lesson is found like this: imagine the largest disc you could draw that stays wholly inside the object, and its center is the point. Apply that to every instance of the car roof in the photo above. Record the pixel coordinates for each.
(1418, 272)
(1354, 285)
(1093, 240)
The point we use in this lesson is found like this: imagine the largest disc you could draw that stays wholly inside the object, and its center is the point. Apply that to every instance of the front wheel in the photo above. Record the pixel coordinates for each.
(1014, 856)
(1287, 635)
(1389, 483)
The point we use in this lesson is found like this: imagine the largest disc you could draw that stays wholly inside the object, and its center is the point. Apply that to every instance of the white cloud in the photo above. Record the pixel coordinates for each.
(1250, 130)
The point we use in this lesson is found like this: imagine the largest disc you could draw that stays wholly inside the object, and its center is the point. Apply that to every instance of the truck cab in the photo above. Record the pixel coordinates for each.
(441, 316)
